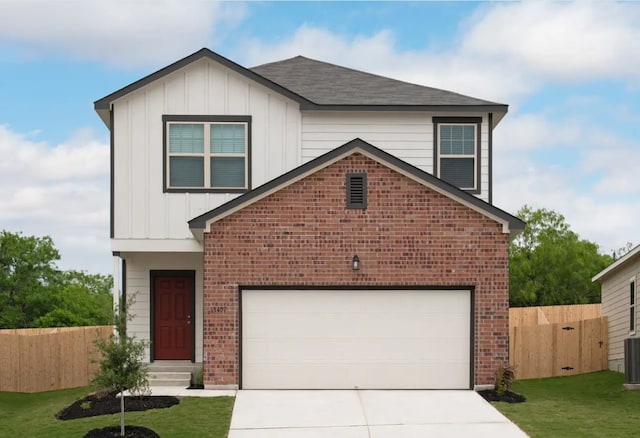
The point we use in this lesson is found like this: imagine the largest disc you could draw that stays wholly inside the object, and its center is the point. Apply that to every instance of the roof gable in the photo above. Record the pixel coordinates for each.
(103, 106)
(615, 266)
(511, 224)
(318, 85)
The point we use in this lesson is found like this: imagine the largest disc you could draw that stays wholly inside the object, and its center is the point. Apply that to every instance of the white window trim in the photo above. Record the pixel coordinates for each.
(207, 155)
(474, 155)
(633, 307)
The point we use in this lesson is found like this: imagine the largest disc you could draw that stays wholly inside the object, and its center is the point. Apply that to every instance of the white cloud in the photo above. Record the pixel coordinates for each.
(566, 41)
(612, 161)
(321, 43)
(116, 32)
(377, 54)
(504, 53)
(532, 131)
(608, 221)
(58, 190)
(587, 186)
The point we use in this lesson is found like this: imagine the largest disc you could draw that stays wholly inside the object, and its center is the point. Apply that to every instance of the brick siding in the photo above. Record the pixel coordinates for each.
(303, 235)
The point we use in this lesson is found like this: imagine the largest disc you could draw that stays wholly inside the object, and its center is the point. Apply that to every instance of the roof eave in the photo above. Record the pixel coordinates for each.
(628, 257)
(103, 106)
(104, 116)
(511, 224)
(498, 110)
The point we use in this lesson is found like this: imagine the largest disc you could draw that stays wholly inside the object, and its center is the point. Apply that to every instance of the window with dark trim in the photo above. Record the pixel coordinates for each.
(457, 151)
(632, 306)
(357, 190)
(207, 153)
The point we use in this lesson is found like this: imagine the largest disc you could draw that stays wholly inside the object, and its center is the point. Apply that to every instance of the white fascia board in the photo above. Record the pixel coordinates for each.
(156, 245)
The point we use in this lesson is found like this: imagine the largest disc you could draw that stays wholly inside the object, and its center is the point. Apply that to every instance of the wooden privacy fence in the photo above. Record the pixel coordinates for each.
(557, 340)
(35, 360)
(527, 316)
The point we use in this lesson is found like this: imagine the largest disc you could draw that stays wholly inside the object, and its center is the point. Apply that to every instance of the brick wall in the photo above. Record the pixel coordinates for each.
(303, 235)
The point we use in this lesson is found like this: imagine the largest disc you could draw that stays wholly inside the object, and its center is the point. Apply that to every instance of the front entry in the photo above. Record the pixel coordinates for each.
(173, 317)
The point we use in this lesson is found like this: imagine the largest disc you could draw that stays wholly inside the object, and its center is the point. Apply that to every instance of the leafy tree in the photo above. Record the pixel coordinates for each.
(27, 274)
(121, 367)
(80, 300)
(550, 264)
(34, 293)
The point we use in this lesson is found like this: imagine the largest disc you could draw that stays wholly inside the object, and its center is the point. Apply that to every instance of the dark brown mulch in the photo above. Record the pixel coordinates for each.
(508, 396)
(105, 404)
(129, 432)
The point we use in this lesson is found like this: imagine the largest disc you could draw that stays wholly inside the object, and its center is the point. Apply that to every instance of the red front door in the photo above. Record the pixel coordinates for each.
(172, 318)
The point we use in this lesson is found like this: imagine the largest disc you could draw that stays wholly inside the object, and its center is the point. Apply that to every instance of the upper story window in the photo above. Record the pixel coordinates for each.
(207, 153)
(457, 151)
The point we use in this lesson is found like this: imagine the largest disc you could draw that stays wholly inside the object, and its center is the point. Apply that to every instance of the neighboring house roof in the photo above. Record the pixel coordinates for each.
(632, 255)
(511, 224)
(317, 85)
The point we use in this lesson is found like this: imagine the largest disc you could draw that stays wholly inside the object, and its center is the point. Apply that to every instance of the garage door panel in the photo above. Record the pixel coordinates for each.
(364, 350)
(371, 323)
(325, 301)
(362, 324)
(357, 375)
(346, 339)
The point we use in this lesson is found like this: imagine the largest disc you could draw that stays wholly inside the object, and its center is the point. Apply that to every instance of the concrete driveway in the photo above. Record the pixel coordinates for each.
(367, 414)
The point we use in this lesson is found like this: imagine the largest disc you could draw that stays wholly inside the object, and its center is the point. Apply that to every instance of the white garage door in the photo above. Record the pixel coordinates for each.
(369, 339)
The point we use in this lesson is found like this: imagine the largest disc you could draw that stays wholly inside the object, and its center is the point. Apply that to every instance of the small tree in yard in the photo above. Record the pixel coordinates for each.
(121, 367)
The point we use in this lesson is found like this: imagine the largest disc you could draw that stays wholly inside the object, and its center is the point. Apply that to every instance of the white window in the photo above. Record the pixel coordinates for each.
(632, 306)
(207, 155)
(457, 151)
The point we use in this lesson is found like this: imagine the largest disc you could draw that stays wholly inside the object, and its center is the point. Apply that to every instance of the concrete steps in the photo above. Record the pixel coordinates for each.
(182, 379)
(168, 373)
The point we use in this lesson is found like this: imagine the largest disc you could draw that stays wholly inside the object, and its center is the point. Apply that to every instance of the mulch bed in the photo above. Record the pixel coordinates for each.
(105, 404)
(508, 396)
(129, 432)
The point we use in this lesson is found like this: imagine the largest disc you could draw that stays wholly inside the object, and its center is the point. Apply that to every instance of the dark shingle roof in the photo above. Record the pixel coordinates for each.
(328, 84)
(318, 86)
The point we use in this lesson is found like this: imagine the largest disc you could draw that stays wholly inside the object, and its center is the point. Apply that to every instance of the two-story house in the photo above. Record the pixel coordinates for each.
(305, 225)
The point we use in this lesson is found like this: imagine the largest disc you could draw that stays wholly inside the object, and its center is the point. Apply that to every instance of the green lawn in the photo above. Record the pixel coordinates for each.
(32, 415)
(588, 405)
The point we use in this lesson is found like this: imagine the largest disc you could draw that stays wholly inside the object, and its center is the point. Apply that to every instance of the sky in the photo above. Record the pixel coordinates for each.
(570, 73)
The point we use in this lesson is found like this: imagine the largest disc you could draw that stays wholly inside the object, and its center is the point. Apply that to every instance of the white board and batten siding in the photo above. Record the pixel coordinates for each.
(143, 211)
(146, 219)
(615, 306)
(366, 339)
(407, 135)
(139, 266)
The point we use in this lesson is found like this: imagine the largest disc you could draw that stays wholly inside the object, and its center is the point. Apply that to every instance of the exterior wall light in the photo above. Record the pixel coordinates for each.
(355, 263)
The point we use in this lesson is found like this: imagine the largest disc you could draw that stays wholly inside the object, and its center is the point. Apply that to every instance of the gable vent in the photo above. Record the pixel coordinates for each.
(357, 190)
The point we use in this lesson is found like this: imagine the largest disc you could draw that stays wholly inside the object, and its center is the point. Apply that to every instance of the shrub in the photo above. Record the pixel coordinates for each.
(505, 375)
